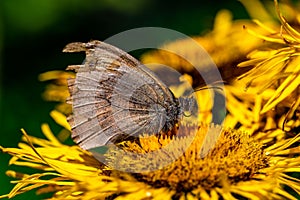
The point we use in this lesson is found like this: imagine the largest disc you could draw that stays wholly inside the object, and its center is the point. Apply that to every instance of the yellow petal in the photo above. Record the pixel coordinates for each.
(60, 119)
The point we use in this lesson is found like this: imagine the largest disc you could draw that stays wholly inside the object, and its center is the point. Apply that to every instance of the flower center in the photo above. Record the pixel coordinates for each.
(234, 157)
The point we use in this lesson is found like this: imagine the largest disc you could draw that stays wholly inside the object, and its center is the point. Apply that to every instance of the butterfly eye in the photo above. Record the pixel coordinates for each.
(187, 113)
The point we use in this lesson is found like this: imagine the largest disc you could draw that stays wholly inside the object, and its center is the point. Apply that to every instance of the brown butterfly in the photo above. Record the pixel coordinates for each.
(114, 95)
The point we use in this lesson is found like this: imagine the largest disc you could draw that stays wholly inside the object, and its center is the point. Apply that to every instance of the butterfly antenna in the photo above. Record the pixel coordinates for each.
(207, 87)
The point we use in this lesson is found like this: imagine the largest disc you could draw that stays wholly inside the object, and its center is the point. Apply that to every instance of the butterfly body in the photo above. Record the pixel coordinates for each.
(114, 95)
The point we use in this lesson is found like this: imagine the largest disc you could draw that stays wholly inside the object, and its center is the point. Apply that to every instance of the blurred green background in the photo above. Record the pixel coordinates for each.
(33, 33)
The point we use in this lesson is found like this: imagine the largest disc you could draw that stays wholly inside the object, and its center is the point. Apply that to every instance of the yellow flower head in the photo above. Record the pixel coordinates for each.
(236, 166)
(252, 156)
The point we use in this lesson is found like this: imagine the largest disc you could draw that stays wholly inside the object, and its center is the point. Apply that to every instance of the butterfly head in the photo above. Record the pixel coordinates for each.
(187, 106)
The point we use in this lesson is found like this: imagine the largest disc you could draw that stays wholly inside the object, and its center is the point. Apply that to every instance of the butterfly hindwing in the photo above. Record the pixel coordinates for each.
(113, 94)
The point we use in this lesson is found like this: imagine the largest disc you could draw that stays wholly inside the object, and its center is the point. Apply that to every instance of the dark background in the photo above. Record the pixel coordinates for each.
(33, 33)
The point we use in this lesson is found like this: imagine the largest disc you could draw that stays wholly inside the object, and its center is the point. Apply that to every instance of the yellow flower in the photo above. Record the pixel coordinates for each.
(270, 90)
(237, 166)
(57, 90)
(227, 44)
(253, 155)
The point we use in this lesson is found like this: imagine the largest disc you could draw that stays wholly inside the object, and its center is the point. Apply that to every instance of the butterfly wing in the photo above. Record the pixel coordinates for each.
(113, 94)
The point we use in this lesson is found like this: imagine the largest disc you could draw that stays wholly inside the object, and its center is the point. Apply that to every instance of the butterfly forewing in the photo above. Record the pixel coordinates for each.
(113, 94)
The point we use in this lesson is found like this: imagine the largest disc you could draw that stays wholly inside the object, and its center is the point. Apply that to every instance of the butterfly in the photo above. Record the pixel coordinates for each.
(114, 95)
